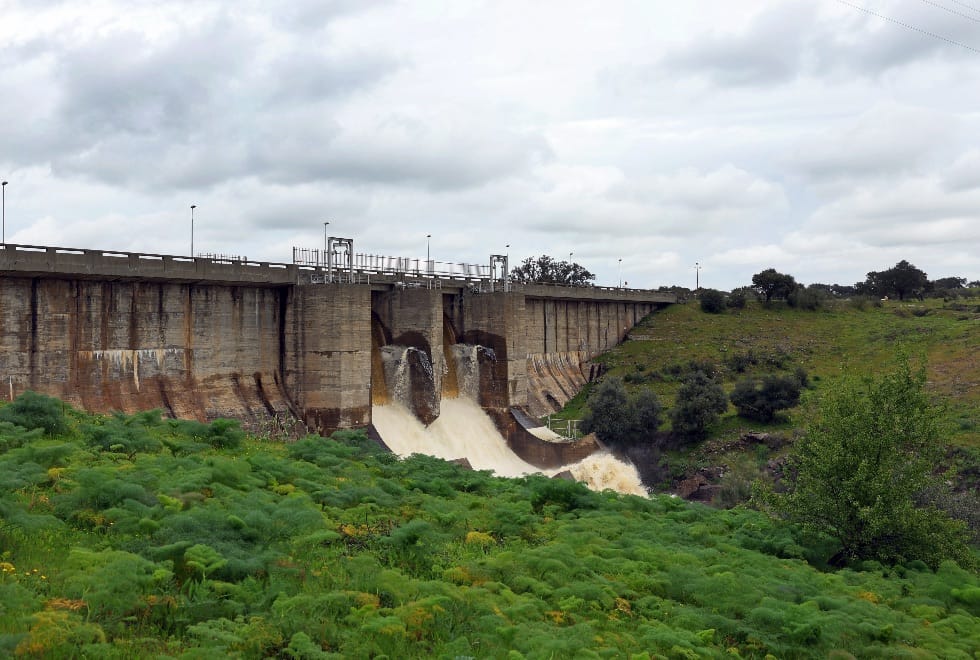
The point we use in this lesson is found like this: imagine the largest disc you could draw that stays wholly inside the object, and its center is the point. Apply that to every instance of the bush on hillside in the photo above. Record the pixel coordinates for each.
(762, 399)
(621, 420)
(36, 411)
(699, 403)
(863, 467)
(806, 298)
(737, 299)
(712, 301)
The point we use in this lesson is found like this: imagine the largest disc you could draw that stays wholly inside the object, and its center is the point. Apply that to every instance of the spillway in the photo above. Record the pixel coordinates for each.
(464, 430)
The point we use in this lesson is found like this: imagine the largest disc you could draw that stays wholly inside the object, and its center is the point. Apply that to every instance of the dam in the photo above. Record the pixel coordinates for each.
(205, 338)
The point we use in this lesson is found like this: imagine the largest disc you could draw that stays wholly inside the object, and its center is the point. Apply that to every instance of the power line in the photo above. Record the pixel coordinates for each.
(963, 4)
(953, 11)
(909, 27)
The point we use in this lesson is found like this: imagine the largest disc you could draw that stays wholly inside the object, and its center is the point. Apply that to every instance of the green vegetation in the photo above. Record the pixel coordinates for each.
(186, 547)
(861, 467)
(712, 301)
(546, 270)
(762, 399)
(771, 284)
(619, 419)
(699, 403)
(857, 336)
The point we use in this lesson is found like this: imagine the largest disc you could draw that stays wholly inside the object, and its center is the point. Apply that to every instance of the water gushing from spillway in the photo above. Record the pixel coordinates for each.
(459, 428)
(464, 430)
(410, 380)
(467, 359)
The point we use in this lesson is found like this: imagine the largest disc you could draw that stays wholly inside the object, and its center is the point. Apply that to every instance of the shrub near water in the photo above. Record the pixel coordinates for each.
(333, 549)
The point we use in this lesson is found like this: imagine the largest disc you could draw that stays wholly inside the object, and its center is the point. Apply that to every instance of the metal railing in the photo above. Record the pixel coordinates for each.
(387, 265)
(566, 428)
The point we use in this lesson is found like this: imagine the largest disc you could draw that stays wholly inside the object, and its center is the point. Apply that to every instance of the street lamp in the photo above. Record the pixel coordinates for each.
(697, 276)
(193, 206)
(3, 237)
(620, 273)
(325, 241)
(428, 238)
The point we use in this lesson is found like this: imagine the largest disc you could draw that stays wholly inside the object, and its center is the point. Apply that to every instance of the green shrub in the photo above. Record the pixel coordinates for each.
(225, 434)
(621, 420)
(699, 403)
(122, 434)
(737, 299)
(862, 466)
(808, 298)
(712, 301)
(762, 399)
(36, 411)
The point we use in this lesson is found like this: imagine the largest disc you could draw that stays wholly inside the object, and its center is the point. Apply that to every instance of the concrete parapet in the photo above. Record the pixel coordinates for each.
(38, 261)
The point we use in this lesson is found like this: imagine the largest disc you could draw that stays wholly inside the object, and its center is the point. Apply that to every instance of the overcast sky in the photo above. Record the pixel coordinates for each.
(812, 137)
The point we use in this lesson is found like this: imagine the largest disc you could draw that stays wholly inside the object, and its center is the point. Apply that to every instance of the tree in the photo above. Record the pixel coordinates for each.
(862, 466)
(545, 270)
(949, 283)
(761, 400)
(771, 284)
(699, 403)
(712, 301)
(620, 420)
(902, 279)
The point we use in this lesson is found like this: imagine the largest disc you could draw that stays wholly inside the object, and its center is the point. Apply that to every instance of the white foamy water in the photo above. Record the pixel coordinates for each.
(464, 430)
(602, 471)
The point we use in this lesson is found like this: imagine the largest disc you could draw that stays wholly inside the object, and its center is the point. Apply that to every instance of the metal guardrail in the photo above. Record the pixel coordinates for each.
(386, 265)
(566, 428)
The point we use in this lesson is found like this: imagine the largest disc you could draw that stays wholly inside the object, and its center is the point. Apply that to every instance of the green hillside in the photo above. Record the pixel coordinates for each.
(837, 338)
(133, 537)
(842, 337)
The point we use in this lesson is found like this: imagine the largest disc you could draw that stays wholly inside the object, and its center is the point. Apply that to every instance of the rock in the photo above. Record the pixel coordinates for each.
(705, 493)
(462, 462)
(691, 485)
(565, 474)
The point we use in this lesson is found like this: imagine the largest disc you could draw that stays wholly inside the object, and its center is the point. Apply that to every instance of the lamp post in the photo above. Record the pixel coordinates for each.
(428, 238)
(620, 273)
(697, 276)
(193, 206)
(3, 188)
(327, 222)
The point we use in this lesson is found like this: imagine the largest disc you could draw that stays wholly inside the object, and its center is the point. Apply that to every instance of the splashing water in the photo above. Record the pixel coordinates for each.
(602, 471)
(464, 430)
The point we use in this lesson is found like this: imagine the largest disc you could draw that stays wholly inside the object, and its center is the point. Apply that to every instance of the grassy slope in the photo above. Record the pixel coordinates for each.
(331, 549)
(828, 342)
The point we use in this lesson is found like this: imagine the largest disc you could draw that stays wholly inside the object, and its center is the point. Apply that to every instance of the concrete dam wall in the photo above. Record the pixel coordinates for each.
(202, 339)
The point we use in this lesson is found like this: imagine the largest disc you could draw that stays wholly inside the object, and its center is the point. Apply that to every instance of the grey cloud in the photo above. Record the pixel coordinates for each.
(964, 173)
(315, 14)
(884, 141)
(791, 39)
(872, 45)
(440, 157)
(308, 74)
(769, 51)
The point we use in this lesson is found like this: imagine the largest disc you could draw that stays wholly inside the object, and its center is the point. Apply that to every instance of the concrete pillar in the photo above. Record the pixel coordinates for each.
(413, 318)
(327, 355)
